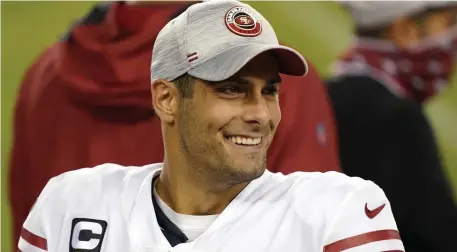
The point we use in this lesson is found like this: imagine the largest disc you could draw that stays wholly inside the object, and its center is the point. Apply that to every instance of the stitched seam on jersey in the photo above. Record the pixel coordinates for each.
(343, 205)
(57, 181)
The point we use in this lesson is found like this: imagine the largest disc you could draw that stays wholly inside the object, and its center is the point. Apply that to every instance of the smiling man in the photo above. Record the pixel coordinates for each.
(215, 81)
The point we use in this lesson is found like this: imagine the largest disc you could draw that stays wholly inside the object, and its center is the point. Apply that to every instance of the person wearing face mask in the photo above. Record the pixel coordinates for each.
(402, 56)
(87, 101)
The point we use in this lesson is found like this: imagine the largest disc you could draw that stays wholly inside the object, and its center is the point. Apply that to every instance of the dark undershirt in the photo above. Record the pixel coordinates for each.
(173, 234)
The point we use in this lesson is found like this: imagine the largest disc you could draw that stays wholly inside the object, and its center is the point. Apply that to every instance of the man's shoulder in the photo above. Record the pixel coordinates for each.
(105, 172)
(88, 185)
(326, 190)
(316, 200)
(331, 180)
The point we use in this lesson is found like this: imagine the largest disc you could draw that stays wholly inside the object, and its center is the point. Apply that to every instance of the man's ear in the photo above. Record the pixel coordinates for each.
(165, 100)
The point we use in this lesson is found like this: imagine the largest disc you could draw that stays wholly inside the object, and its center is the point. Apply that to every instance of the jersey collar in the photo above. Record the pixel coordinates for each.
(145, 231)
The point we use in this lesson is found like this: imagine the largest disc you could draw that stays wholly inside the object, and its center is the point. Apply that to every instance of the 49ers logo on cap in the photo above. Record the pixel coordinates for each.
(241, 21)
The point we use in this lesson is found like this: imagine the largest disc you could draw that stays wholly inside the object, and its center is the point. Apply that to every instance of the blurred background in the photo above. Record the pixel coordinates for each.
(319, 30)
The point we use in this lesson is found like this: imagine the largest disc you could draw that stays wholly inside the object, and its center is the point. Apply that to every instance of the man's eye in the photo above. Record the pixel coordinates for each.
(271, 90)
(230, 90)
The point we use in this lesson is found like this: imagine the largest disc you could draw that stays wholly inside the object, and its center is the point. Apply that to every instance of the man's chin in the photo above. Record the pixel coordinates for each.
(249, 171)
(238, 174)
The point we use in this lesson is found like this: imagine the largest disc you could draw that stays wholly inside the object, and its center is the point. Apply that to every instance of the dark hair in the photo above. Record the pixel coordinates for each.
(185, 85)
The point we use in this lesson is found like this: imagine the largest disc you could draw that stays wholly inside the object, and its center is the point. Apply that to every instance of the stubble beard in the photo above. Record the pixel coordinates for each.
(210, 164)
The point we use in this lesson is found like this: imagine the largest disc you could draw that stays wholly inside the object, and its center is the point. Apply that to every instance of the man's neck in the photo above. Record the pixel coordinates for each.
(193, 196)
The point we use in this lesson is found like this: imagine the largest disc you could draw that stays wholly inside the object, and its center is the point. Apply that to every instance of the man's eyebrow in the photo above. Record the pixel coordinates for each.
(276, 80)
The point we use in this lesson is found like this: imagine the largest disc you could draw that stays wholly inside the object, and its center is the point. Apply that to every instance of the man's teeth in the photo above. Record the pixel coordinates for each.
(245, 140)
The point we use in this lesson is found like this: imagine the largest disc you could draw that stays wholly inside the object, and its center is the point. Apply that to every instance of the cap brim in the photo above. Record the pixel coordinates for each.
(229, 62)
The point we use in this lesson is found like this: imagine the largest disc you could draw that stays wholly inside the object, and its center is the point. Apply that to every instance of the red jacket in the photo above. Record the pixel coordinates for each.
(86, 101)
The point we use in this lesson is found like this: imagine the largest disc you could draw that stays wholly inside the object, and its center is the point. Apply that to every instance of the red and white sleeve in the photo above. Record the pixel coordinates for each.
(365, 223)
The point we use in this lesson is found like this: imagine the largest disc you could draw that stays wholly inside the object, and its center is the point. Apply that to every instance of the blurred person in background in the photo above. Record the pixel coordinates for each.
(86, 101)
(403, 55)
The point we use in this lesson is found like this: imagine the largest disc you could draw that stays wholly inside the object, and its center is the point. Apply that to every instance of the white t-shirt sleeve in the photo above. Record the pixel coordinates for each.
(364, 223)
(33, 235)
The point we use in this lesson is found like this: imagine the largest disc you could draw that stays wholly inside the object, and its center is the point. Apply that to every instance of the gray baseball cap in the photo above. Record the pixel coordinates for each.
(213, 40)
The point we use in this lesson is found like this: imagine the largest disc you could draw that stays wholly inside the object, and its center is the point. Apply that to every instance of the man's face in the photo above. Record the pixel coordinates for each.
(408, 30)
(227, 127)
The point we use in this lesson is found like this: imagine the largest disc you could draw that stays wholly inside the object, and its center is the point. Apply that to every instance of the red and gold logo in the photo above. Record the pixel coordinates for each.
(241, 21)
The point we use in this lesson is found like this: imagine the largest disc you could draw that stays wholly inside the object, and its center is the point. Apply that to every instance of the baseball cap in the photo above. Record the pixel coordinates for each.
(213, 40)
(373, 14)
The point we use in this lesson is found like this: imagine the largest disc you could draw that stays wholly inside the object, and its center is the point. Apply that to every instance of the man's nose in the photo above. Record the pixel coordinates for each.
(256, 110)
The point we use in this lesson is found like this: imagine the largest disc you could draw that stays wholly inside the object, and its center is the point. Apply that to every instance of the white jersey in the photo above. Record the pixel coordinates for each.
(109, 208)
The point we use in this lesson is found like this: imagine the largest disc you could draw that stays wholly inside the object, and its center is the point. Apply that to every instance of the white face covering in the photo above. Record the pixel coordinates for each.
(417, 72)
